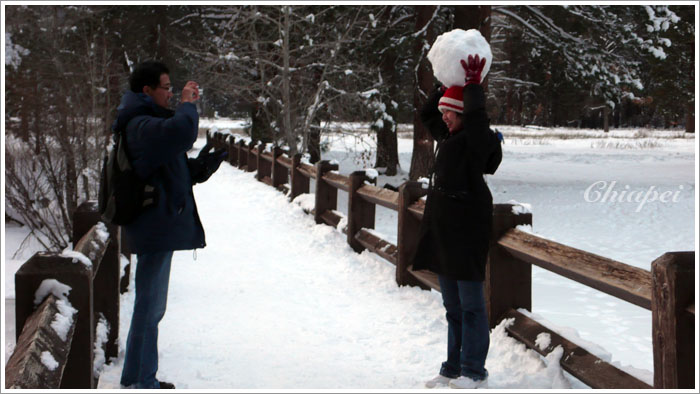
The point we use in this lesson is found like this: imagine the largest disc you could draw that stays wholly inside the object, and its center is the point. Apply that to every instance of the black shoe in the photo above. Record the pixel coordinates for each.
(166, 385)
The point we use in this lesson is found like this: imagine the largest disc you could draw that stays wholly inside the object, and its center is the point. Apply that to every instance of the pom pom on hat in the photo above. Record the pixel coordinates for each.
(452, 100)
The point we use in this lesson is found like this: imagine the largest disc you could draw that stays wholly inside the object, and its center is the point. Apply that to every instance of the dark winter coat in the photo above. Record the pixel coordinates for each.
(456, 226)
(157, 142)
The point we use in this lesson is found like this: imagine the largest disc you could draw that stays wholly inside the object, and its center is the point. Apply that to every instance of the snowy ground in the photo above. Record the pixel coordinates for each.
(277, 302)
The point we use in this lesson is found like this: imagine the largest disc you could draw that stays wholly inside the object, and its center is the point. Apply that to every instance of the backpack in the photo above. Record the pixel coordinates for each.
(123, 195)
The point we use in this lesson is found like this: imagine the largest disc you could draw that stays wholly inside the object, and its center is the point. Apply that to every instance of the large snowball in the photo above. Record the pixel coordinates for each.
(449, 48)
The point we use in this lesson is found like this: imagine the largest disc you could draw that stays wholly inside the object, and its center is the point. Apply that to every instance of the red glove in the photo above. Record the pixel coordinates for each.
(472, 69)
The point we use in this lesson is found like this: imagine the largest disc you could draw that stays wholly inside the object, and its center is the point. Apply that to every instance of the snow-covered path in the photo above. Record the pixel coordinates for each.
(277, 302)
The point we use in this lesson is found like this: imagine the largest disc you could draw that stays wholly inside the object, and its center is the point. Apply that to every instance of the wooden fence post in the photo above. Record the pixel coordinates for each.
(326, 195)
(242, 155)
(107, 279)
(252, 158)
(280, 174)
(360, 212)
(673, 327)
(508, 283)
(24, 369)
(78, 372)
(264, 166)
(300, 183)
(232, 151)
(408, 231)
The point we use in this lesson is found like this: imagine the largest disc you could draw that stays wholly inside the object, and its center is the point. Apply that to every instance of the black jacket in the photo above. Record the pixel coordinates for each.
(158, 140)
(456, 226)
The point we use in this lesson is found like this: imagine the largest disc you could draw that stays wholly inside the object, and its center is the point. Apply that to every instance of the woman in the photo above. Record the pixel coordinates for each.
(456, 227)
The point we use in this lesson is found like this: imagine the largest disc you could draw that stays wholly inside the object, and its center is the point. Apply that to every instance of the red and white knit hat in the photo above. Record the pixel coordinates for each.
(452, 100)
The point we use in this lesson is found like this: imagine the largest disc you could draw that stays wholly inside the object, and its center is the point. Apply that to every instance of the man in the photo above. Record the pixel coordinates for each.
(157, 141)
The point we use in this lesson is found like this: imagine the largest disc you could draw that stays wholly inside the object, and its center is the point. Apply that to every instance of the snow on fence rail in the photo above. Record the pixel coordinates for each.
(668, 290)
(60, 300)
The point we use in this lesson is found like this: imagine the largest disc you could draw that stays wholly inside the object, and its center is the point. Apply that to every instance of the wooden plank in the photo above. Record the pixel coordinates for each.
(416, 209)
(408, 232)
(107, 277)
(337, 181)
(25, 369)
(267, 156)
(428, 279)
(377, 245)
(380, 196)
(79, 367)
(267, 180)
(299, 183)
(508, 281)
(673, 330)
(94, 248)
(307, 170)
(325, 196)
(361, 213)
(285, 161)
(283, 188)
(620, 280)
(576, 360)
(331, 218)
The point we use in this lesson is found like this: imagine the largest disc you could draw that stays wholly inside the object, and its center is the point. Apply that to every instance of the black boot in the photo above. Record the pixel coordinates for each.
(166, 385)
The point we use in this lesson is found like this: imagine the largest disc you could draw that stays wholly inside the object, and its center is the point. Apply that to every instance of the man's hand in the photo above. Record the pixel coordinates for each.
(472, 69)
(190, 93)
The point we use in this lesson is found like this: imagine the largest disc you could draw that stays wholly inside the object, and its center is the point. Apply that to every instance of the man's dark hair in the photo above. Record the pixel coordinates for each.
(147, 74)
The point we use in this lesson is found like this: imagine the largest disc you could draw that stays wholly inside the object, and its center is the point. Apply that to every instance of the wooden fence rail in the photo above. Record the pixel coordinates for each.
(668, 290)
(94, 289)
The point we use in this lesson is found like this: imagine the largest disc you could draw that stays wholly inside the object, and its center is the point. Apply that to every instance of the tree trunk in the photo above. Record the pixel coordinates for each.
(689, 118)
(475, 17)
(387, 146)
(259, 130)
(287, 115)
(422, 158)
(160, 42)
(606, 118)
(314, 146)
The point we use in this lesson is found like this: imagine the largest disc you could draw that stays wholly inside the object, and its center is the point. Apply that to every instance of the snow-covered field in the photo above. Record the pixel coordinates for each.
(277, 302)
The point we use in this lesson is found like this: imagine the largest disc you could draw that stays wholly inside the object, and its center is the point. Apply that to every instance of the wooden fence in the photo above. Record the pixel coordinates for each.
(668, 290)
(43, 357)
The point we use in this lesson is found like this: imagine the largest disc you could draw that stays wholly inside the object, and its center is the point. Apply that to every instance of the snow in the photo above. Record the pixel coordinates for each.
(223, 123)
(451, 47)
(277, 302)
(48, 360)
(543, 340)
(77, 257)
(63, 319)
(371, 173)
(306, 201)
(101, 337)
(50, 286)
(102, 232)
(520, 208)
(14, 52)
(123, 263)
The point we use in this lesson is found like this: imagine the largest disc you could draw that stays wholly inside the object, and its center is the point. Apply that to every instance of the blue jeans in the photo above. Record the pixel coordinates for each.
(467, 328)
(141, 360)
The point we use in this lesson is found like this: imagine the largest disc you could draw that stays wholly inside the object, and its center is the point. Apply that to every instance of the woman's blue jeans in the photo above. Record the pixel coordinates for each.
(141, 360)
(467, 328)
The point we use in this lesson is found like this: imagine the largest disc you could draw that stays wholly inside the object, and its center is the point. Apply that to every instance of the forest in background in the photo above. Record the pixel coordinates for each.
(292, 69)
